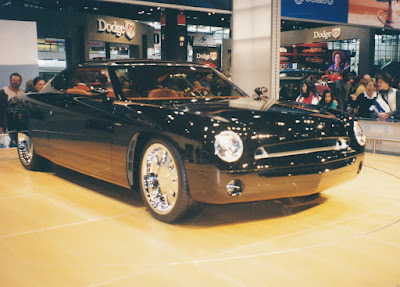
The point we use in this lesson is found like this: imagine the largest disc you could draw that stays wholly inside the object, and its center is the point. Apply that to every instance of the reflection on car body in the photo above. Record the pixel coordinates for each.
(183, 134)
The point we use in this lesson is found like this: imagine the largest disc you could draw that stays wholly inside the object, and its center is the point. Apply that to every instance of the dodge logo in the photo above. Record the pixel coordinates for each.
(335, 32)
(130, 30)
(214, 56)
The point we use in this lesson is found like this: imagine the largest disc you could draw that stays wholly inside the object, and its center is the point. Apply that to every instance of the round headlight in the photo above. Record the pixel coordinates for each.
(358, 132)
(228, 146)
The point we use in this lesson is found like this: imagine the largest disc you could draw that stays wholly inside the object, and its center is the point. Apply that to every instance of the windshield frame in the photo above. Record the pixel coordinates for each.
(175, 69)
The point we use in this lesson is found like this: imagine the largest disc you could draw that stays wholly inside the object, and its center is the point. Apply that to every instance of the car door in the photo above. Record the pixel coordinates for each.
(80, 125)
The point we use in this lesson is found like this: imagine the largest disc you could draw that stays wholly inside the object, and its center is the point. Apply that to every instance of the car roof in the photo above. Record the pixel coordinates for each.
(139, 62)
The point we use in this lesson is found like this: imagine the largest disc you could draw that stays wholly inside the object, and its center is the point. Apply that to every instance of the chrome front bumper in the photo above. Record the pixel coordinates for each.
(208, 184)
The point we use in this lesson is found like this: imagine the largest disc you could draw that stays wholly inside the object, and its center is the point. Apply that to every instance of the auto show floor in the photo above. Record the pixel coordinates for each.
(61, 228)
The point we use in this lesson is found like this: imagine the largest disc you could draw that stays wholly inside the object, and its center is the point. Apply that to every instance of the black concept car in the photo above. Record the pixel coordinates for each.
(183, 134)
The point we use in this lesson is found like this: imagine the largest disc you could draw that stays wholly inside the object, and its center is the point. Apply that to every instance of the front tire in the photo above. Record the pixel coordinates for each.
(163, 183)
(29, 159)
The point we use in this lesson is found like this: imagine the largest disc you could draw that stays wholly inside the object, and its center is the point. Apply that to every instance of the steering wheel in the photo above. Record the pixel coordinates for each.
(195, 90)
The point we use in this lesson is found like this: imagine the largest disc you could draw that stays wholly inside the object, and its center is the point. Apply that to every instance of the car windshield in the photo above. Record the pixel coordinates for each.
(164, 82)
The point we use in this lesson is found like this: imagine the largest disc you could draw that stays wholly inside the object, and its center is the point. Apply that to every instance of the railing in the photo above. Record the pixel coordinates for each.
(382, 137)
(374, 140)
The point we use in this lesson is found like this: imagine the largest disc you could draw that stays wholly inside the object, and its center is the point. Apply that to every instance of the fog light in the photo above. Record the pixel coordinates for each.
(234, 187)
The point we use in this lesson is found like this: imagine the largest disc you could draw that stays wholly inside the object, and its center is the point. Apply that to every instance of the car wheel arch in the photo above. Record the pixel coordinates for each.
(135, 149)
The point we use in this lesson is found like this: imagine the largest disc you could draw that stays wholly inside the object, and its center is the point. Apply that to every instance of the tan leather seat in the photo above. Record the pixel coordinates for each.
(163, 93)
(78, 92)
(111, 93)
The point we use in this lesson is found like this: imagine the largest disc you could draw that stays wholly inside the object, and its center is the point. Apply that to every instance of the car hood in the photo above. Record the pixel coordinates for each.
(270, 120)
(267, 120)
(253, 111)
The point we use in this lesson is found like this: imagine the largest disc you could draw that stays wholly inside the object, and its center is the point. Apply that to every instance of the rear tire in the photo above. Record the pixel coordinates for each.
(163, 183)
(29, 159)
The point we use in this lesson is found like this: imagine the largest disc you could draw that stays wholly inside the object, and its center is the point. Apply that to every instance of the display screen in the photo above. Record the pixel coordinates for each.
(378, 13)
(338, 61)
(315, 56)
(310, 56)
(326, 10)
(375, 13)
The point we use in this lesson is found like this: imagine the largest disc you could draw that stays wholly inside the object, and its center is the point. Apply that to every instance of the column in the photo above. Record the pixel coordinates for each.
(173, 35)
(108, 50)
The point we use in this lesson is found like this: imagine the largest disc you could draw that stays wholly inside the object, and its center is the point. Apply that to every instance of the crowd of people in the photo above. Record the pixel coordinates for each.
(14, 89)
(364, 97)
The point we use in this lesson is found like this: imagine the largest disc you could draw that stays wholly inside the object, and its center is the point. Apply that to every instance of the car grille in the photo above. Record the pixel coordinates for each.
(307, 169)
(301, 147)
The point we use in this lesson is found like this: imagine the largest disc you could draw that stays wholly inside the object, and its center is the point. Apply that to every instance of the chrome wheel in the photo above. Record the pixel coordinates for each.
(159, 178)
(25, 149)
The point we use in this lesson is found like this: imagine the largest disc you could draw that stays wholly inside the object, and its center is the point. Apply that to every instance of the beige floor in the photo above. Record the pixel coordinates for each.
(61, 228)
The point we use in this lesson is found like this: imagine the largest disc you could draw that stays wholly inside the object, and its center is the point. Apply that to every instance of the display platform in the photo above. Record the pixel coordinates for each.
(60, 228)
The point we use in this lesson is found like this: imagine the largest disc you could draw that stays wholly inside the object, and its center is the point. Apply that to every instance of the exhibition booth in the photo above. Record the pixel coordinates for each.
(168, 174)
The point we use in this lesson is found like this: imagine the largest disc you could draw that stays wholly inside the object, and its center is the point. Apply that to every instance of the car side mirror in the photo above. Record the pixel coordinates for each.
(261, 92)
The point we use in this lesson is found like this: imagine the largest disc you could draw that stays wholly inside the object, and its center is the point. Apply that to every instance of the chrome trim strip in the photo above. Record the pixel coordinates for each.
(341, 144)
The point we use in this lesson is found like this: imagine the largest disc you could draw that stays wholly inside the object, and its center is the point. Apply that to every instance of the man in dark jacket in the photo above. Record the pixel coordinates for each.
(5, 95)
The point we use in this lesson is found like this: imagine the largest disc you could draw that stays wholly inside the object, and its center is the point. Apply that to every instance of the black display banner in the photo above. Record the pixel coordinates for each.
(210, 56)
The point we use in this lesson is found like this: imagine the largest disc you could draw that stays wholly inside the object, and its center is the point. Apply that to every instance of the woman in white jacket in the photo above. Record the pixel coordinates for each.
(387, 103)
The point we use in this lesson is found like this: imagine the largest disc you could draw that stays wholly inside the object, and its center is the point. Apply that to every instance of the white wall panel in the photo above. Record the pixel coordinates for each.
(19, 43)
(255, 45)
(18, 50)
